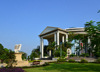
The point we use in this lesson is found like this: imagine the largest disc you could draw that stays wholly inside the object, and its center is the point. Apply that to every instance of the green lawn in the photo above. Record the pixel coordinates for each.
(67, 67)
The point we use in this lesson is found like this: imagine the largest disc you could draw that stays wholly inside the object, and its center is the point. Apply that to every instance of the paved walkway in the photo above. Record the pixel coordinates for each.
(75, 58)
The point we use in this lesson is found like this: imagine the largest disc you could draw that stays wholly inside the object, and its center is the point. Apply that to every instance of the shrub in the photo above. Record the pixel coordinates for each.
(98, 60)
(71, 60)
(30, 61)
(34, 60)
(84, 55)
(11, 70)
(45, 64)
(72, 55)
(45, 54)
(61, 60)
(97, 54)
(57, 53)
(83, 61)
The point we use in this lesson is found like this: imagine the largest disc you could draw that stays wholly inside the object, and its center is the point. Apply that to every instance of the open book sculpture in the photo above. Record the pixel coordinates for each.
(17, 48)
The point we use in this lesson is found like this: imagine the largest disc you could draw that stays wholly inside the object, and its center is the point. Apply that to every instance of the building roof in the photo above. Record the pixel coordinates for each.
(50, 29)
(81, 29)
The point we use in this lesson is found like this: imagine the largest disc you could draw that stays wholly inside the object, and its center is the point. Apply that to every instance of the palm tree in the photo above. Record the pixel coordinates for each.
(52, 46)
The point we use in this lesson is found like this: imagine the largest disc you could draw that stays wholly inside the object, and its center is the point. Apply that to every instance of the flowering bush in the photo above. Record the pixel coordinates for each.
(11, 70)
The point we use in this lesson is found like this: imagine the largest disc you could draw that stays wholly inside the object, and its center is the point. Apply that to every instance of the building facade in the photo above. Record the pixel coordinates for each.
(58, 35)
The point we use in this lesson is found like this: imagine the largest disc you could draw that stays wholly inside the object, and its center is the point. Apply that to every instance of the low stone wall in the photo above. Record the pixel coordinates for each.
(89, 59)
(21, 63)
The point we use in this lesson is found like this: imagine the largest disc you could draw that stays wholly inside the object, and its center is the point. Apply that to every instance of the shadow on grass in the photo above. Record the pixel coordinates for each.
(65, 67)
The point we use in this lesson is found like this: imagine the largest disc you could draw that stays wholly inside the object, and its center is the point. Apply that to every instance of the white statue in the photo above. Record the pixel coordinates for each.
(17, 48)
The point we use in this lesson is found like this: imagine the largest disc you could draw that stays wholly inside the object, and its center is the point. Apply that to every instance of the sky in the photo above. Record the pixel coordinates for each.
(21, 21)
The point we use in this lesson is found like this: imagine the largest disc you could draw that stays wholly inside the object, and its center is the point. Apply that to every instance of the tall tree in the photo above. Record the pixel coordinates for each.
(93, 30)
(52, 46)
(35, 53)
(7, 56)
(24, 55)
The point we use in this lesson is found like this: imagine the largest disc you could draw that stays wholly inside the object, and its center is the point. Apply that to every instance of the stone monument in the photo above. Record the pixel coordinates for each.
(18, 56)
(17, 48)
(17, 53)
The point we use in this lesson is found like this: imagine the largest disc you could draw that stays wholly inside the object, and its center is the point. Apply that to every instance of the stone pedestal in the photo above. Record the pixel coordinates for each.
(19, 60)
(18, 56)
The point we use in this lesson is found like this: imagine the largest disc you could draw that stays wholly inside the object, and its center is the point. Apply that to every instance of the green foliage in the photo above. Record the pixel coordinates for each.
(45, 64)
(97, 54)
(28, 58)
(24, 56)
(98, 60)
(35, 53)
(71, 60)
(62, 49)
(81, 37)
(67, 45)
(84, 55)
(57, 53)
(52, 46)
(30, 61)
(1, 49)
(66, 67)
(93, 33)
(83, 61)
(72, 55)
(34, 60)
(7, 56)
(61, 60)
(93, 30)
(10, 59)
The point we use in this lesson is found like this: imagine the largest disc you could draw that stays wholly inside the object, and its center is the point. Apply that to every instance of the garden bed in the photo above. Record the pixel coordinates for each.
(11, 70)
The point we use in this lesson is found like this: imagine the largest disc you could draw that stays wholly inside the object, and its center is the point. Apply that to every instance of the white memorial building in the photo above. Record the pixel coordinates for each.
(58, 35)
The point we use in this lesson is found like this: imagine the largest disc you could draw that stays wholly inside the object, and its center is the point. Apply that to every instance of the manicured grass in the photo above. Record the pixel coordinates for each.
(67, 67)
